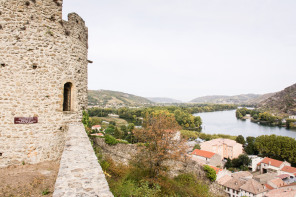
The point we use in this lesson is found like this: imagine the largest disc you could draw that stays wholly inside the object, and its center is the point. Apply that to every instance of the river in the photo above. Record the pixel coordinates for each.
(225, 122)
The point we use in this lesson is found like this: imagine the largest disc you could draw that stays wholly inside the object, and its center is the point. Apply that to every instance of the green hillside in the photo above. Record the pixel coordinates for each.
(107, 98)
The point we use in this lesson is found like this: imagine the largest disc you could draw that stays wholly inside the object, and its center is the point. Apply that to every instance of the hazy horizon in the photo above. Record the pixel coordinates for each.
(187, 49)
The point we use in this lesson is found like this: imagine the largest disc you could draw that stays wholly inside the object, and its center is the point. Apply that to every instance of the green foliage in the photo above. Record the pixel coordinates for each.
(208, 137)
(240, 139)
(241, 162)
(45, 192)
(95, 121)
(250, 147)
(109, 139)
(85, 119)
(291, 123)
(118, 134)
(186, 120)
(186, 134)
(210, 173)
(277, 147)
(197, 146)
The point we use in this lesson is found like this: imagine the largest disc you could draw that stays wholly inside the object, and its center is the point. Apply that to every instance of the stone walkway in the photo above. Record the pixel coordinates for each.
(80, 174)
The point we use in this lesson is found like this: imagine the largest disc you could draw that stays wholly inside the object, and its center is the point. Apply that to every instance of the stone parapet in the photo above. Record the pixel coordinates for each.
(80, 173)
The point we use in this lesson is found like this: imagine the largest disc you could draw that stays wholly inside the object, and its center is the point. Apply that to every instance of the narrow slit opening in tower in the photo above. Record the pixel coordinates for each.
(67, 96)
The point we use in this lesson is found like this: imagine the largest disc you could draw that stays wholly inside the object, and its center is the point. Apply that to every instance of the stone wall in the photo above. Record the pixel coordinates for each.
(39, 54)
(119, 153)
(80, 173)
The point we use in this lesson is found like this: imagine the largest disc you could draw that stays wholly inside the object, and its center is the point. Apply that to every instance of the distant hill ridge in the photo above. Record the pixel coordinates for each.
(281, 102)
(163, 100)
(108, 98)
(222, 99)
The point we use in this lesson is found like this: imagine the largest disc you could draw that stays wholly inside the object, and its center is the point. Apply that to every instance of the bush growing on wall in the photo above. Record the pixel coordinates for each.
(109, 139)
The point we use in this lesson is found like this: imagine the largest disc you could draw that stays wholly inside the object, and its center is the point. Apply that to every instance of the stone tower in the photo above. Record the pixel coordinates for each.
(43, 79)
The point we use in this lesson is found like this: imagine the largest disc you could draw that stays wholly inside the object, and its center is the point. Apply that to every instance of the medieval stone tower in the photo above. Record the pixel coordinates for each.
(43, 79)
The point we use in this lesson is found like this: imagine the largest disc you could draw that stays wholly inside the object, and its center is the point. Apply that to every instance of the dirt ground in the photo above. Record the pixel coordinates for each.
(28, 180)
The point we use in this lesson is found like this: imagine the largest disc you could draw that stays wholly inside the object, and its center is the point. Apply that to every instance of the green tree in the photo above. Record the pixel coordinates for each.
(240, 139)
(210, 173)
(250, 148)
(197, 146)
(118, 133)
(109, 139)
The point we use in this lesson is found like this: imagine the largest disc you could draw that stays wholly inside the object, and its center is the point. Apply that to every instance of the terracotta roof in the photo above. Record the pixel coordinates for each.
(289, 169)
(282, 176)
(273, 162)
(282, 192)
(224, 179)
(96, 126)
(278, 182)
(234, 184)
(253, 187)
(203, 153)
(216, 169)
(268, 187)
(220, 141)
(241, 174)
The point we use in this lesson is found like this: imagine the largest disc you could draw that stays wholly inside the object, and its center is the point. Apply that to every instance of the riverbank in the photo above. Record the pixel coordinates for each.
(225, 122)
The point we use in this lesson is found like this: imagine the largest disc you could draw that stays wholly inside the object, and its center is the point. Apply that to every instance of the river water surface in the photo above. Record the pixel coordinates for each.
(225, 122)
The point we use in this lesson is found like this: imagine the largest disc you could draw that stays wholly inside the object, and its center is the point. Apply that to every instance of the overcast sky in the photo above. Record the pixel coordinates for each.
(189, 48)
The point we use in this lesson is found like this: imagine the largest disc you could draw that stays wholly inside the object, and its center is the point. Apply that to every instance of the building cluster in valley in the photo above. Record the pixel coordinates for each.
(266, 177)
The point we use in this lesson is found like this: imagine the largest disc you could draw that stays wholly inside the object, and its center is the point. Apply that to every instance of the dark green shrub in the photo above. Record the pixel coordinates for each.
(109, 139)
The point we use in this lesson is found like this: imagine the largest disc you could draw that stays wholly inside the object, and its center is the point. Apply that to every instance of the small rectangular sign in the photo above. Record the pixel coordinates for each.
(25, 120)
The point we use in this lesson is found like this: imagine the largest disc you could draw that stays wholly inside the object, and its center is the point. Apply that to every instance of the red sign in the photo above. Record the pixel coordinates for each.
(25, 120)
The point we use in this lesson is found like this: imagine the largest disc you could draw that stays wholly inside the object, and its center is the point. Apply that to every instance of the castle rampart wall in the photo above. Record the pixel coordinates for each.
(40, 52)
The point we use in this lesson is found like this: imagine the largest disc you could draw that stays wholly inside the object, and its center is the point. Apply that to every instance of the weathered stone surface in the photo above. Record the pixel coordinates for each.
(80, 173)
(39, 54)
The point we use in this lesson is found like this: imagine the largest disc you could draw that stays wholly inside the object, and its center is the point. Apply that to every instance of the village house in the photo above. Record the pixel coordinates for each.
(288, 170)
(254, 162)
(264, 178)
(206, 157)
(282, 192)
(236, 187)
(96, 127)
(271, 165)
(225, 147)
(221, 172)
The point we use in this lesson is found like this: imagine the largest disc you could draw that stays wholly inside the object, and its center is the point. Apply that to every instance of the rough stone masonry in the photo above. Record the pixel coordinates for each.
(43, 79)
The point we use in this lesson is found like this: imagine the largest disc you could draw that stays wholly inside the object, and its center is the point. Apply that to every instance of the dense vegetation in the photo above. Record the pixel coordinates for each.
(191, 135)
(240, 163)
(277, 147)
(183, 113)
(147, 173)
(105, 98)
(264, 118)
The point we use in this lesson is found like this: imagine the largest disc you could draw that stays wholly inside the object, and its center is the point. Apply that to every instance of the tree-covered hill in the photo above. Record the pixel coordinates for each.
(108, 98)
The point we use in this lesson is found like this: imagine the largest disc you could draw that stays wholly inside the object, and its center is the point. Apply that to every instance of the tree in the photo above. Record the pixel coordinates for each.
(250, 148)
(240, 139)
(117, 133)
(197, 146)
(158, 134)
(210, 173)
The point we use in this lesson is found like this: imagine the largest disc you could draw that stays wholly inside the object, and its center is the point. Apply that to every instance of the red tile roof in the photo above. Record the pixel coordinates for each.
(288, 169)
(216, 169)
(272, 162)
(268, 187)
(96, 126)
(203, 153)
